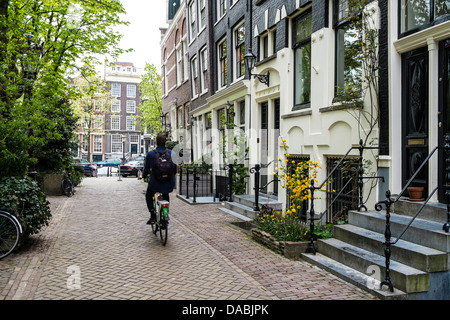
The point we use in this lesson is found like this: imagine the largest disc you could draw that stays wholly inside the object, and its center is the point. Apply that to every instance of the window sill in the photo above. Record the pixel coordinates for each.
(274, 56)
(297, 114)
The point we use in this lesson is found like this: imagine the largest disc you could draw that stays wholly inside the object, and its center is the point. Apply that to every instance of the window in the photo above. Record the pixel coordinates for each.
(186, 59)
(131, 91)
(264, 42)
(223, 63)
(98, 122)
(115, 89)
(115, 106)
(201, 14)
(98, 143)
(194, 75)
(192, 21)
(115, 122)
(116, 143)
(131, 124)
(204, 70)
(239, 36)
(179, 65)
(131, 106)
(221, 8)
(242, 113)
(417, 13)
(302, 60)
(348, 66)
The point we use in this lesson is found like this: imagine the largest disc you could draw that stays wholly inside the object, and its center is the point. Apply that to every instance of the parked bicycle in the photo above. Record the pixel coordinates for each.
(68, 184)
(10, 233)
(162, 217)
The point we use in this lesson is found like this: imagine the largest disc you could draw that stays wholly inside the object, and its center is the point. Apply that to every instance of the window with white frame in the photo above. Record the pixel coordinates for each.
(115, 106)
(116, 143)
(115, 122)
(301, 43)
(131, 106)
(134, 138)
(201, 14)
(131, 123)
(221, 8)
(179, 65)
(348, 66)
(239, 42)
(204, 69)
(115, 89)
(98, 122)
(186, 59)
(194, 76)
(223, 63)
(192, 21)
(98, 143)
(131, 91)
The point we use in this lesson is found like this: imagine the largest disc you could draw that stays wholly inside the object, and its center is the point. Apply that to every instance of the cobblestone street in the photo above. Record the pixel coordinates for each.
(98, 246)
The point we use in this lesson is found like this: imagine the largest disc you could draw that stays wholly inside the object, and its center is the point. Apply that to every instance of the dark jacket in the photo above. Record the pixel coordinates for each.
(153, 183)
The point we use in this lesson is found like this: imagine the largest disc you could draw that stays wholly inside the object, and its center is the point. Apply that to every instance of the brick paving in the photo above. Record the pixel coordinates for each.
(98, 247)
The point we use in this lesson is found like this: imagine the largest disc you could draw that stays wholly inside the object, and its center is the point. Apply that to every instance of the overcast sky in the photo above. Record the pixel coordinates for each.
(143, 34)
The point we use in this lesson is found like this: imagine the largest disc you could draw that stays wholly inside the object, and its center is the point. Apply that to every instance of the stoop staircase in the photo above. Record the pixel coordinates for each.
(244, 204)
(419, 265)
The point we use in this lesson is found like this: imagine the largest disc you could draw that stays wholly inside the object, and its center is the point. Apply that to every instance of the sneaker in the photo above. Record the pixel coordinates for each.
(152, 219)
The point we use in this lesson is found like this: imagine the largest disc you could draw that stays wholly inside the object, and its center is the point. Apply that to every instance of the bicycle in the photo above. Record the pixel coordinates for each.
(10, 233)
(68, 185)
(162, 217)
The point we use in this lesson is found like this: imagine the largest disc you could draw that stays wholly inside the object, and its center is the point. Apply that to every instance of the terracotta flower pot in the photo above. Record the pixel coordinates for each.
(416, 193)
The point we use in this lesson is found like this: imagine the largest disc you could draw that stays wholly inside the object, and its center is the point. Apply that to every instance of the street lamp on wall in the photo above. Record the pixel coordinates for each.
(250, 60)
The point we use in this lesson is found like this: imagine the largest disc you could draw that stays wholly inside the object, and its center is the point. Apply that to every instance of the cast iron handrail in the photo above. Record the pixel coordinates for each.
(389, 201)
(312, 188)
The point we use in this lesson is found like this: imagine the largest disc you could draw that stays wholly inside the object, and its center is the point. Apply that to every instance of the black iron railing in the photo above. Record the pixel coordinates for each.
(389, 201)
(256, 170)
(312, 188)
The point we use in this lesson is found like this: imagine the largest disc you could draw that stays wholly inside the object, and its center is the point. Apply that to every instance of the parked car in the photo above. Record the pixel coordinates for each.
(131, 168)
(111, 162)
(90, 169)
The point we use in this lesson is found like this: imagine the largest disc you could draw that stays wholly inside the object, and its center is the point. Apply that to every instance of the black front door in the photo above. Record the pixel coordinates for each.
(415, 115)
(444, 108)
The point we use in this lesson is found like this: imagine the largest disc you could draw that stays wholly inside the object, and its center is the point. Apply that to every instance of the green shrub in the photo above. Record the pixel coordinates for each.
(28, 202)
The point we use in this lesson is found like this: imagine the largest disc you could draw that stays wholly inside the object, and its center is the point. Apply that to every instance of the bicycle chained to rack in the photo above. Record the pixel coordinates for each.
(160, 165)
(10, 233)
(68, 184)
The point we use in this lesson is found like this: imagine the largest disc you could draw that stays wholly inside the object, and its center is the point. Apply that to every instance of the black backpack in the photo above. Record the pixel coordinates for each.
(163, 165)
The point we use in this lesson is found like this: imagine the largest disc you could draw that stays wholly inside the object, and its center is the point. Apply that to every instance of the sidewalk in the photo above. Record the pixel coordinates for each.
(98, 246)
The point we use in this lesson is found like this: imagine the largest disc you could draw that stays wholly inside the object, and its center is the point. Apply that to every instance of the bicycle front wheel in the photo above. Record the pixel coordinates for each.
(163, 225)
(9, 235)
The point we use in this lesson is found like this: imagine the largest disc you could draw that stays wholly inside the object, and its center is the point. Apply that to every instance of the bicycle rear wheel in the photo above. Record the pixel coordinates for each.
(9, 234)
(163, 226)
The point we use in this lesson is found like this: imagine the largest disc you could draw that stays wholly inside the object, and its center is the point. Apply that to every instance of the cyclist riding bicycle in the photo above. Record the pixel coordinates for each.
(161, 165)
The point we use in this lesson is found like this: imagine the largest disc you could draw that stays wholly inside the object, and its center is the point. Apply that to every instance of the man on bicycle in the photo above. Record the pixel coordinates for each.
(161, 165)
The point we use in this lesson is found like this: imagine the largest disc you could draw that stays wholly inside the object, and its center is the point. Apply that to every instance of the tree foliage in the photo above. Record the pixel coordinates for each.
(151, 97)
(42, 43)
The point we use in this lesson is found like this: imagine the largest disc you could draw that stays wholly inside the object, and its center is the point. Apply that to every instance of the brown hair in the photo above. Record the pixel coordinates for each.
(161, 140)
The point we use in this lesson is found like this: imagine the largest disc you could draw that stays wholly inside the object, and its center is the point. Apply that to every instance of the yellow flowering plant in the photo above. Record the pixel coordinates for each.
(296, 178)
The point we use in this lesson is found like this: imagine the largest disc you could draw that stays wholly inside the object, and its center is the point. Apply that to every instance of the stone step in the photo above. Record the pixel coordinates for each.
(404, 278)
(241, 209)
(249, 200)
(363, 281)
(422, 232)
(432, 211)
(414, 255)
